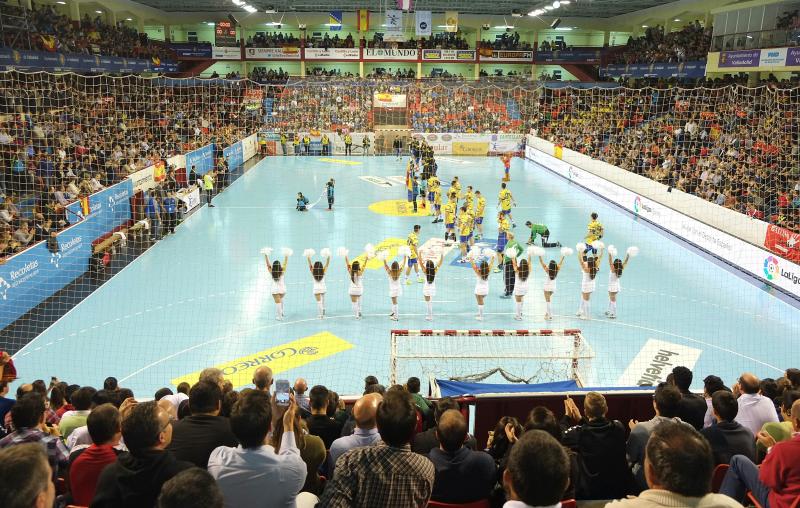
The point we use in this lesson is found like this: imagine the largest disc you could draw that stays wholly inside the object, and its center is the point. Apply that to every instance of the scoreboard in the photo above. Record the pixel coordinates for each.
(225, 34)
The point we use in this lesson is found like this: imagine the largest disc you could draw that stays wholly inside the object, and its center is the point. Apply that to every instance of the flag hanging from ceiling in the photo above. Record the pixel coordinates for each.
(404, 4)
(394, 26)
(424, 25)
(451, 20)
(335, 21)
(363, 20)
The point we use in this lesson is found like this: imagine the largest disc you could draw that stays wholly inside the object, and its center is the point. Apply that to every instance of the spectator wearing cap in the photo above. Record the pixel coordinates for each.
(86, 464)
(728, 437)
(366, 431)
(692, 407)
(319, 423)
(252, 470)
(666, 400)
(387, 473)
(25, 477)
(537, 472)
(678, 467)
(426, 441)
(711, 385)
(776, 484)
(462, 475)
(196, 436)
(754, 409)
(600, 445)
(27, 415)
(135, 479)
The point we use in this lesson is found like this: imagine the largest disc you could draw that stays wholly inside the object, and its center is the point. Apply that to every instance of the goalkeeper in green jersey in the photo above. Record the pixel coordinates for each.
(540, 230)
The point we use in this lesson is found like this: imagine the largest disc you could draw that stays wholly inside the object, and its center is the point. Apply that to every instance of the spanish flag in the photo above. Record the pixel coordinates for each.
(85, 208)
(156, 60)
(363, 20)
(49, 43)
(558, 152)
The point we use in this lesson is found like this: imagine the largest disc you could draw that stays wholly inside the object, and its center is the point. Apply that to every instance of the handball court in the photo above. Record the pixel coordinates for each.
(201, 297)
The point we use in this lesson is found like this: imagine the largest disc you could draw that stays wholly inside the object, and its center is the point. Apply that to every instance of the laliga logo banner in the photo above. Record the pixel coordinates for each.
(771, 269)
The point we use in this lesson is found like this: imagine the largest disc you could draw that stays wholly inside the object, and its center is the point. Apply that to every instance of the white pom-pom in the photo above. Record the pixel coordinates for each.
(488, 253)
(404, 251)
(597, 245)
(612, 251)
(633, 251)
(533, 250)
(369, 249)
(342, 251)
(580, 247)
(267, 251)
(326, 252)
(286, 251)
(566, 251)
(308, 253)
(382, 255)
(511, 253)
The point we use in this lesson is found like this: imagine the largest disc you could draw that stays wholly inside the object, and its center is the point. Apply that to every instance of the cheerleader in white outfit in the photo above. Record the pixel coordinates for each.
(278, 271)
(616, 266)
(356, 272)
(589, 269)
(429, 286)
(522, 270)
(551, 270)
(395, 287)
(482, 272)
(318, 271)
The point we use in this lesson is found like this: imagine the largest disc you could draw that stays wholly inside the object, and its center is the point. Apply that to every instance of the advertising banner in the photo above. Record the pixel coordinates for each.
(234, 155)
(773, 57)
(190, 197)
(272, 53)
(793, 57)
(391, 54)
(143, 180)
(332, 54)
(191, 49)
(473, 144)
(745, 58)
(202, 159)
(508, 56)
(576, 56)
(665, 70)
(34, 275)
(460, 55)
(225, 53)
(13, 59)
(783, 242)
(759, 262)
(424, 24)
(451, 21)
(394, 26)
(108, 209)
(252, 98)
(470, 148)
(249, 147)
(389, 100)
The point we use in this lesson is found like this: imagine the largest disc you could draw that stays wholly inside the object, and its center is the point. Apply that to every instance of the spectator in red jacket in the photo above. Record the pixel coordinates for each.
(86, 464)
(777, 483)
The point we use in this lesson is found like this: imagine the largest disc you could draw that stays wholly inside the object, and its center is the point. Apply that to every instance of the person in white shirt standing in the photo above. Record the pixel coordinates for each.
(252, 474)
(754, 409)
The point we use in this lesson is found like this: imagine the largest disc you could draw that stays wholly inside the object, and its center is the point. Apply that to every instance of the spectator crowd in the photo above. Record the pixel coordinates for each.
(208, 445)
(690, 43)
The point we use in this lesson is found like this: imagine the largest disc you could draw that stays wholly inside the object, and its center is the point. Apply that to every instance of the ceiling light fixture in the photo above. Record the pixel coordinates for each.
(210, 23)
(565, 2)
(238, 2)
(128, 19)
(644, 26)
(564, 29)
(676, 20)
(249, 8)
(61, 3)
(504, 27)
(556, 4)
(548, 7)
(99, 12)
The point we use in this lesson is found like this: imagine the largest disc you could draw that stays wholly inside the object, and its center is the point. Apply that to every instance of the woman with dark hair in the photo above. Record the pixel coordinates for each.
(394, 271)
(616, 266)
(551, 270)
(318, 271)
(429, 286)
(501, 439)
(356, 290)
(482, 272)
(277, 271)
(589, 268)
(522, 271)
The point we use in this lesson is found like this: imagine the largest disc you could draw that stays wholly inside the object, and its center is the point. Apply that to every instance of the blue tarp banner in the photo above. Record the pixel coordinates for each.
(577, 56)
(43, 60)
(202, 159)
(657, 70)
(234, 155)
(459, 388)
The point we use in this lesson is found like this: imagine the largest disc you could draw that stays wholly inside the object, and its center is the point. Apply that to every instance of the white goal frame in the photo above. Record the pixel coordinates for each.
(575, 359)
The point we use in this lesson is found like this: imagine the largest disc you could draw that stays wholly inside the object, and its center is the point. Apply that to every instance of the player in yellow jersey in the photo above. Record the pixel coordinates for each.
(437, 204)
(469, 198)
(433, 183)
(480, 210)
(503, 227)
(449, 221)
(464, 232)
(506, 202)
(470, 236)
(594, 232)
(413, 260)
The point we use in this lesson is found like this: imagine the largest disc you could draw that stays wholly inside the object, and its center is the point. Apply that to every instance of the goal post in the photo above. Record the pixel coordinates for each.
(514, 356)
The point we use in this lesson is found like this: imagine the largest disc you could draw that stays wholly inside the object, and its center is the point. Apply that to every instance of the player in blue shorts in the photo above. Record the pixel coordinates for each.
(503, 227)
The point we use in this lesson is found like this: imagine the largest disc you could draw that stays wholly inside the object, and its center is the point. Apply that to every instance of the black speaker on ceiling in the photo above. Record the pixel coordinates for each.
(555, 23)
(233, 20)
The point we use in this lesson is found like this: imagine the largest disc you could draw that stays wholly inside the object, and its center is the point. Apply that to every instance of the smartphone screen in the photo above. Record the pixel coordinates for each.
(282, 390)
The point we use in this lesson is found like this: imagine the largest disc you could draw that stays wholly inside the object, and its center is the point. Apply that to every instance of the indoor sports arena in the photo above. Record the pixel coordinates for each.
(399, 253)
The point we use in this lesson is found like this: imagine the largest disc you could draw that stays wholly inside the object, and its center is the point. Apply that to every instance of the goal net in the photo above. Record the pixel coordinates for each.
(513, 356)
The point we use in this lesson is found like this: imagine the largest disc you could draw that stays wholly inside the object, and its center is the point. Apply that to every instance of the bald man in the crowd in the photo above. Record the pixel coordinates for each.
(262, 379)
(213, 375)
(462, 475)
(300, 396)
(754, 409)
(365, 433)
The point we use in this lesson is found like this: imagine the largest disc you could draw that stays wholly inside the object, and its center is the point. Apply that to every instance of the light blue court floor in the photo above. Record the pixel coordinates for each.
(202, 297)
